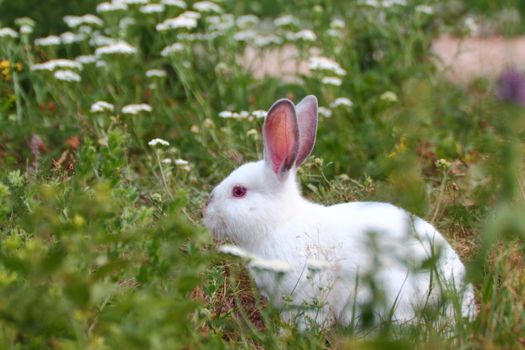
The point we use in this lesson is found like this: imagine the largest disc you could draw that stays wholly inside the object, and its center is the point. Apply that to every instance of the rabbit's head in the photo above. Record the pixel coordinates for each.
(259, 196)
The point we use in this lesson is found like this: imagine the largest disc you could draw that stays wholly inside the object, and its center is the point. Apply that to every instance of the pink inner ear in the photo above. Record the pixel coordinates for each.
(307, 120)
(281, 135)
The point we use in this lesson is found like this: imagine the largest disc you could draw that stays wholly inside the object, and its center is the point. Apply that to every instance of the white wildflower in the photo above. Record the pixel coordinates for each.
(101, 64)
(265, 40)
(220, 23)
(119, 48)
(156, 73)
(8, 32)
(25, 21)
(176, 3)
(332, 81)
(325, 112)
(66, 75)
(206, 6)
(158, 142)
(136, 108)
(326, 64)
(317, 265)
(86, 59)
(57, 63)
(245, 35)
(337, 23)
(270, 265)
(226, 114)
(235, 251)
(305, 34)
(101, 40)
(341, 101)
(134, 2)
(152, 8)
(247, 21)
(125, 23)
(389, 96)
(183, 164)
(166, 161)
(334, 33)
(111, 7)
(51, 40)
(171, 49)
(102, 106)
(471, 26)
(71, 38)
(425, 9)
(285, 21)
(75, 21)
(26, 30)
(259, 113)
(184, 20)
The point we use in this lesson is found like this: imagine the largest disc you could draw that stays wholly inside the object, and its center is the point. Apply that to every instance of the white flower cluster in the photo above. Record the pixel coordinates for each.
(341, 102)
(86, 59)
(111, 7)
(175, 3)
(384, 3)
(206, 6)
(243, 114)
(118, 48)
(156, 73)
(186, 20)
(66, 75)
(76, 21)
(135, 109)
(326, 64)
(102, 106)
(304, 35)
(59, 63)
(172, 49)
(51, 40)
(152, 8)
(158, 142)
(6, 32)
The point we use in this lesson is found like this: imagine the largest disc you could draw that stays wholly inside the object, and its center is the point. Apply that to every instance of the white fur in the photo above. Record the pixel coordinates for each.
(273, 221)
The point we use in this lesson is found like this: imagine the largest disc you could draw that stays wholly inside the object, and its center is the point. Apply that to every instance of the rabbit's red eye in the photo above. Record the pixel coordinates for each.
(239, 191)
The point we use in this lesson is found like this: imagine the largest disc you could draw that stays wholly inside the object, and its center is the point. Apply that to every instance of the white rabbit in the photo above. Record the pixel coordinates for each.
(359, 245)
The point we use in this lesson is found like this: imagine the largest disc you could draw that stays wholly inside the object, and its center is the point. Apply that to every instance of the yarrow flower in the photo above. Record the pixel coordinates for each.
(86, 59)
(332, 81)
(155, 73)
(206, 6)
(111, 7)
(71, 38)
(182, 164)
(57, 63)
(305, 35)
(425, 9)
(389, 96)
(171, 49)
(152, 8)
(341, 101)
(285, 21)
(325, 112)
(102, 106)
(234, 251)
(158, 142)
(325, 64)
(8, 32)
(75, 21)
(136, 108)
(119, 48)
(186, 20)
(66, 75)
(259, 113)
(176, 3)
(247, 21)
(51, 40)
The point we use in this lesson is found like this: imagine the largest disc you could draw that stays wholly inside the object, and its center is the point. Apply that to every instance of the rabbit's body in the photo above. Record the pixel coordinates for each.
(360, 244)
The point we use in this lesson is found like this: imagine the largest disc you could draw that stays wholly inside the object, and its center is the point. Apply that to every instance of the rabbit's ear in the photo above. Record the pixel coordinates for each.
(281, 137)
(307, 119)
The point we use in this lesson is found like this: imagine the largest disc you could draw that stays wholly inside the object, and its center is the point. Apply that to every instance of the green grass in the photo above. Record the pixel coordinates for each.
(101, 240)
